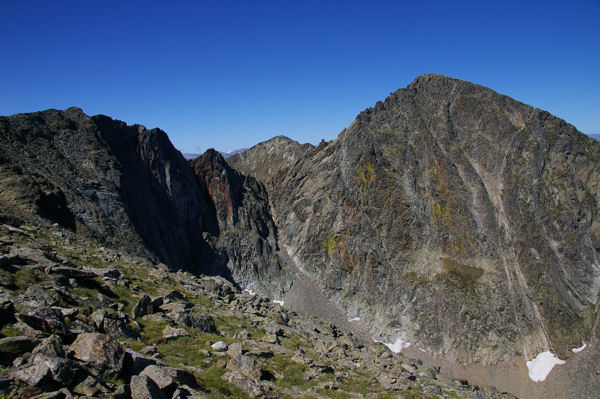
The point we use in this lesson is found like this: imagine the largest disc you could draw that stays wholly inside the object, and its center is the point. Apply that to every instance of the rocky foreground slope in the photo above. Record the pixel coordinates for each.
(449, 217)
(81, 320)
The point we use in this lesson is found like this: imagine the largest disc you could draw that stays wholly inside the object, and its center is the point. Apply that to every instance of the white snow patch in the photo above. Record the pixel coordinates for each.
(577, 350)
(542, 365)
(249, 291)
(354, 319)
(278, 302)
(397, 346)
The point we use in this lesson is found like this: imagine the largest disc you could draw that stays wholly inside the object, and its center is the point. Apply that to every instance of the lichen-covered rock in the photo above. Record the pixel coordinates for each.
(35, 375)
(50, 346)
(249, 385)
(98, 350)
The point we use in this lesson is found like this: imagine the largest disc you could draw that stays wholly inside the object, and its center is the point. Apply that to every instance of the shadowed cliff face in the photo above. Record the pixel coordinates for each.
(129, 187)
(163, 203)
(450, 216)
(248, 235)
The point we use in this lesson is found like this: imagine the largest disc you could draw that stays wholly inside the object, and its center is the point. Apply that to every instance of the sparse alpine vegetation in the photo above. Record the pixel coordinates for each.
(82, 320)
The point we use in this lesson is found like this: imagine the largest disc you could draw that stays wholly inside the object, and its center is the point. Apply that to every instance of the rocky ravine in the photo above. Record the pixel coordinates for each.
(449, 217)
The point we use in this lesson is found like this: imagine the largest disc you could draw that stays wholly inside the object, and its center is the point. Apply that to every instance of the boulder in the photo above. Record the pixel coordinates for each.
(99, 350)
(219, 346)
(34, 375)
(235, 349)
(249, 385)
(142, 387)
(60, 394)
(168, 378)
(7, 282)
(175, 296)
(92, 387)
(136, 362)
(36, 296)
(246, 365)
(204, 323)
(146, 306)
(315, 370)
(142, 307)
(120, 328)
(50, 346)
(174, 333)
(45, 319)
(98, 318)
(65, 372)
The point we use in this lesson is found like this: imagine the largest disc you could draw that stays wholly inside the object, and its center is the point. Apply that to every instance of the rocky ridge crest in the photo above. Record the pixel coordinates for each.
(128, 187)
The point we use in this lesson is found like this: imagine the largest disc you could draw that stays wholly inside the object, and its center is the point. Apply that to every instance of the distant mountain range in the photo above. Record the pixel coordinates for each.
(595, 136)
(224, 154)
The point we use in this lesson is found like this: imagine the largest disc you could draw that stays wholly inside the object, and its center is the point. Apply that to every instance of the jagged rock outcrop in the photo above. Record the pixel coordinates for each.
(449, 216)
(128, 187)
(248, 233)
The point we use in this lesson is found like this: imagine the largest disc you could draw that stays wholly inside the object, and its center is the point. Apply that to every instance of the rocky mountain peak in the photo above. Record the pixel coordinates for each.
(449, 199)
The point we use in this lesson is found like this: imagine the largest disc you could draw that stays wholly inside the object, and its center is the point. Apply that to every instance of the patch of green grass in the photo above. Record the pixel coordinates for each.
(451, 394)
(200, 301)
(114, 380)
(230, 325)
(151, 330)
(293, 342)
(136, 345)
(23, 278)
(466, 275)
(219, 388)
(82, 292)
(125, 296)
(186, 350)
(410, 394)
(9, 330)
(293, 372)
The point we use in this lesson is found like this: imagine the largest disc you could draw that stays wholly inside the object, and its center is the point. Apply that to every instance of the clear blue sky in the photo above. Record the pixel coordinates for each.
(230, 74)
